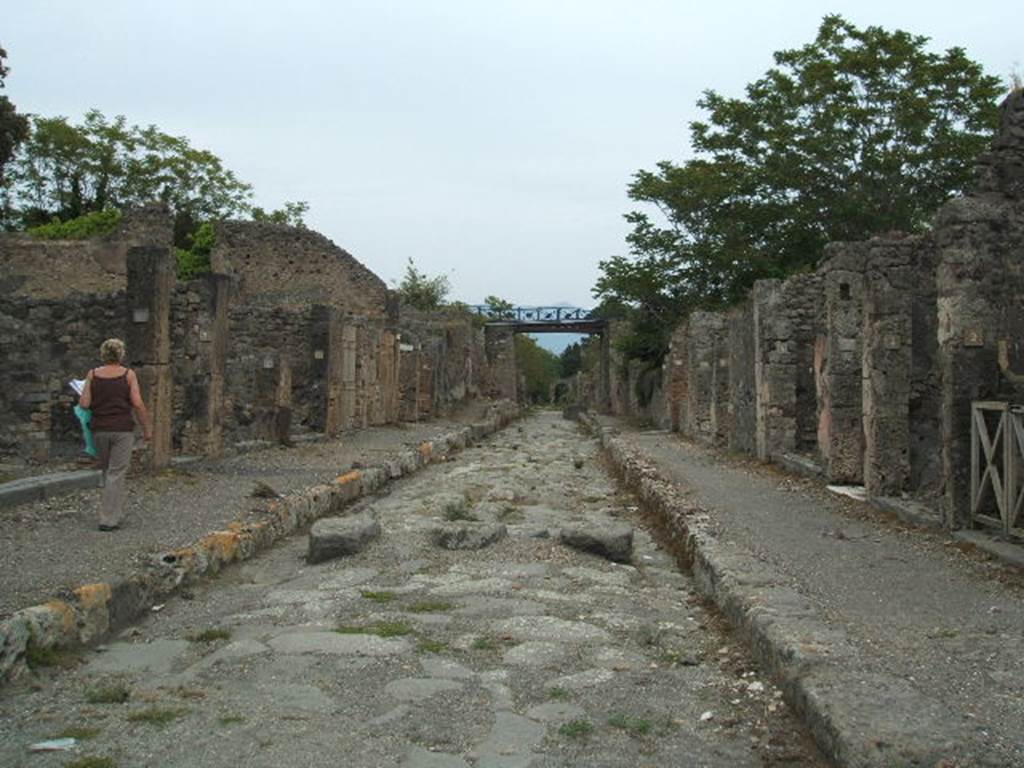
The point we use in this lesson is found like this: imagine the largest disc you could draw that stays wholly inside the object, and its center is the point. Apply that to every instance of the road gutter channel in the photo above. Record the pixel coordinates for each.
(859, 718)
(98, 609)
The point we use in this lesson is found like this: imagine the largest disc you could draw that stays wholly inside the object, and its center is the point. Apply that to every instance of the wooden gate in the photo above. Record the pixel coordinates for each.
(997, 465)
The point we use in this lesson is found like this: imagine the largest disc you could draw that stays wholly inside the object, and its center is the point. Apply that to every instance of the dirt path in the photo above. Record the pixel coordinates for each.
(523, 653)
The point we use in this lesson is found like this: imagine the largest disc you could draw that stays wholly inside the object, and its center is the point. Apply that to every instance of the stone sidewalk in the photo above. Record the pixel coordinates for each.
(901, 646)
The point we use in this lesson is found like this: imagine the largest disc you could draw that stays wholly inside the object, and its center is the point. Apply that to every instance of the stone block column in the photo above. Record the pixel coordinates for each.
(204, 432)
(273, 398)
(840, 422)
(327, 368)
(742, 389)
(499, 342)
(708, 390)
(150, 282)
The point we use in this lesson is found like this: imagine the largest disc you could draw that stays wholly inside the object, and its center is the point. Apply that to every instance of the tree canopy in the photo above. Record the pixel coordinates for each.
(63, 171)
(421, 291)
(13, 127)
(861, 131)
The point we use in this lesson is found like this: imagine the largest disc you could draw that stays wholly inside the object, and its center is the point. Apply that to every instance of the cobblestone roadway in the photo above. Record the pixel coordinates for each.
(522, 654)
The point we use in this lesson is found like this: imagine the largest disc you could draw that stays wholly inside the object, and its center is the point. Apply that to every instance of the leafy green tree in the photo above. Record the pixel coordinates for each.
(422, 292)
(13, 127)
(857, 133)
(499, 308)
(570, 362)
(291, 214)
(195, 259)
(63, 171)
(538, 366)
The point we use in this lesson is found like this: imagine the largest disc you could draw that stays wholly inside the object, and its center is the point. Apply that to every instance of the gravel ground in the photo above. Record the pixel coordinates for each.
(920, 606)
(52, 545)
(525, 653)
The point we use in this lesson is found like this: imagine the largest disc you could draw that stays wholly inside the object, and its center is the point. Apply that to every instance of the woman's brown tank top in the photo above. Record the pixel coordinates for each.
(112, 404)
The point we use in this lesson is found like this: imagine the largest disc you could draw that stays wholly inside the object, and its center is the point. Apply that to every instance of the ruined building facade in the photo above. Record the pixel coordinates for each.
(865, 370)
(287, 334)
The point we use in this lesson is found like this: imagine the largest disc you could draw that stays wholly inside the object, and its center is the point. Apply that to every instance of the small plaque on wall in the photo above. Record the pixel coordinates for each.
(140, 315)
(318, 354)
(268, 362)
(974, 337)
(204, 335)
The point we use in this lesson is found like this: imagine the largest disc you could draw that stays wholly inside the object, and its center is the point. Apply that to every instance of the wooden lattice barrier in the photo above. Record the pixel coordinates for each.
(997, 466)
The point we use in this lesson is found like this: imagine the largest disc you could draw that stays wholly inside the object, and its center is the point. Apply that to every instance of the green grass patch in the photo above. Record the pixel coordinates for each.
(484, 644)
(431, 646)
(455, 511)
(634, 725)
(577, 729)
(89, 225)
(82, 733)
(511, 514)
(436, 606)
(159, 716)
(380, 629)
(37, 657)
(230, 719)
(559, 694)
(210, 635)
(378, 597)
(108, 694)
(92, 762)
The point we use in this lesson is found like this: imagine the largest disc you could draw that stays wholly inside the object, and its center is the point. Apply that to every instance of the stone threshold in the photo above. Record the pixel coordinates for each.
(95, 610)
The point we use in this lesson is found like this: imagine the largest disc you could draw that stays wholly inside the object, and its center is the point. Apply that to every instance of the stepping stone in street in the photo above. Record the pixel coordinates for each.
(340, 536)
(468, 536)
(611, 541)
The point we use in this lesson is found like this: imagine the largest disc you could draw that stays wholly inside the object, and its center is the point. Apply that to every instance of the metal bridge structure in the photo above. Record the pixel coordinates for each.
(542, 319)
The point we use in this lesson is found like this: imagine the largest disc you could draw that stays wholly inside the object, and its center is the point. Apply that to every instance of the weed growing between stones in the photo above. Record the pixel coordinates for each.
(633, 725)
(431, 646)
(380, 629)
(159, 716)
(558, 694)
(577, 729)
(430, 607)
(108, 694)
(92, 762)
(378, 597)
(210, 635)
(36, 656)
(82, 733)
(484, 643)
(511, 514)
(677, 657)
(456, 511)
(230, 719)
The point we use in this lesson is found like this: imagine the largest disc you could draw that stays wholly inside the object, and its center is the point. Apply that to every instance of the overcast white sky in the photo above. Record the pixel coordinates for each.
(489, 140)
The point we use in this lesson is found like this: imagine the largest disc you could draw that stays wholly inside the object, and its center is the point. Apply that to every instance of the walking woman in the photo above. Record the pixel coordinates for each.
(112, 393)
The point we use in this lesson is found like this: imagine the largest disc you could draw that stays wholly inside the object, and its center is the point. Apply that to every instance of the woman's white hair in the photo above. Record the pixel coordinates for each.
(112, 351)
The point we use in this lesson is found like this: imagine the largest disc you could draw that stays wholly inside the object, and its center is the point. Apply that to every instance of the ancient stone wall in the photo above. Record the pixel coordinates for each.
(676, 385)
(289, 266)
(787, 323)
(708, 417)
(742, 395)
(296, 336)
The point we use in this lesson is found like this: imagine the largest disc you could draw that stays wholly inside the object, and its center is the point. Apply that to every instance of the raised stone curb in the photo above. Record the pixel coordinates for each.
(339, 536)
(55, 484)
(612, 542)
(93, 610)
(859, 718)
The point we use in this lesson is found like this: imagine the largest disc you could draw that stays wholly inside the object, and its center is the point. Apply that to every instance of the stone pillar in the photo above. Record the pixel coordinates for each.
(273, 403)
(409, 382)
(787, 322)
(888, 360)
(387, 367)
(677, 377)
(501, 358)
(150, 283)
(742, 388)
(204, 431)
(708, 376)
(839, 363)
(327, 367)
(349, 382)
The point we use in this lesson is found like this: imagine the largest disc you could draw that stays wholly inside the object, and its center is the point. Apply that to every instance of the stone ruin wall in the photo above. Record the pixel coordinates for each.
(867, 367)
(291, 336)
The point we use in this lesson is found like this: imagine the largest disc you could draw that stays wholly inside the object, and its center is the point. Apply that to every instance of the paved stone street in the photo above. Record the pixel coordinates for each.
(525, 652)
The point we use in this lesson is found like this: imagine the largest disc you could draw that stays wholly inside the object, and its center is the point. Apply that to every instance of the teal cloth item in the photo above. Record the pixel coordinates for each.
(84, 417)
